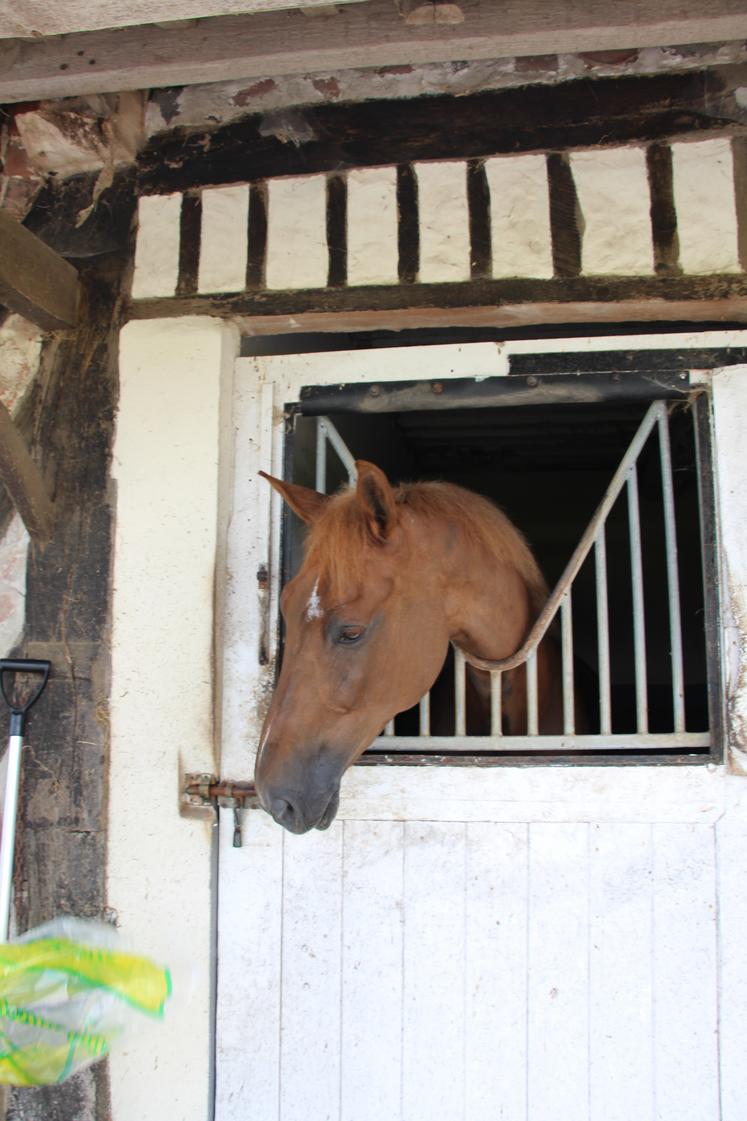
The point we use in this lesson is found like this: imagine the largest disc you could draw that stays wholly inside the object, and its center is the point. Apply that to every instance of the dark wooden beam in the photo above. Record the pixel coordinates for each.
(23, 481)
(495, 303)
(34, 280)
(361, 35)
(576, 114)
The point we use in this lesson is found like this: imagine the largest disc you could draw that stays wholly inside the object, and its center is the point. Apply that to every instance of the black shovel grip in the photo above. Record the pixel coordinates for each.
(22, 665)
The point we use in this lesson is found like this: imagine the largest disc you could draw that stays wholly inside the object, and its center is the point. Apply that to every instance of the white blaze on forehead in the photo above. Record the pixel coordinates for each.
(314, 608)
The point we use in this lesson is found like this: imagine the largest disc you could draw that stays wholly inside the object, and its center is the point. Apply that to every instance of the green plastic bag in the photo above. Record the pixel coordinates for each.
(66, 992)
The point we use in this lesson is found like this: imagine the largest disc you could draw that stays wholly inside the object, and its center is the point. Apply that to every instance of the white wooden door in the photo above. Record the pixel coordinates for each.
(529, 944)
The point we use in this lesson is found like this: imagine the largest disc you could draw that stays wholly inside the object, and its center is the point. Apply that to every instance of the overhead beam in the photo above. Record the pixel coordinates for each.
(362, 35)
(539, 118)
(34, 280)
(23, 481)
(483, 303)
(35, 18)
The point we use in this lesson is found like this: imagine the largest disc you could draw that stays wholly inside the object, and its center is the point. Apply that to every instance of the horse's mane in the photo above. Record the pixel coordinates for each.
(338, 542)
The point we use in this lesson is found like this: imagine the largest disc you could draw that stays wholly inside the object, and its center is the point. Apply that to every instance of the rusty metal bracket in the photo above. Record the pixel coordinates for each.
(206, 791)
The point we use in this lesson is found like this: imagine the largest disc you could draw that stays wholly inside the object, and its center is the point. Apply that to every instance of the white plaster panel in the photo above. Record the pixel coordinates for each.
(297, 232)
(20, 350)
(614, 200)
(520, 216)
(224, 238)
(13, 557)
(157, 248)
(444, 221)
(703, 174)
(373, 255)
(166, 543)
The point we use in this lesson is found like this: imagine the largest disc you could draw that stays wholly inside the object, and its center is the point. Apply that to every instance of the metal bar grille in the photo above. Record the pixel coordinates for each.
(605, 734)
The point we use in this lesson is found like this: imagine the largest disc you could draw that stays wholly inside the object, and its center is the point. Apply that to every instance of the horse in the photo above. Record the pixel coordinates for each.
(390, 577)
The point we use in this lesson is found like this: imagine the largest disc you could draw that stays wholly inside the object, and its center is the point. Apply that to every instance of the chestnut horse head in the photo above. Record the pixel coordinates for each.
(389, 577)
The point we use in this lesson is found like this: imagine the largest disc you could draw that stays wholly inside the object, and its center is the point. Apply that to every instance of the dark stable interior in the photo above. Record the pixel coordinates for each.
(548, 468)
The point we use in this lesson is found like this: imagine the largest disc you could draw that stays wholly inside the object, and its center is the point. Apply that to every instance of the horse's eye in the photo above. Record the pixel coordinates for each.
(349, 635)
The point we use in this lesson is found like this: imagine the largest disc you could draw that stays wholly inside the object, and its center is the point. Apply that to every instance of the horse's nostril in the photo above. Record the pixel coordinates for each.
(283, 811)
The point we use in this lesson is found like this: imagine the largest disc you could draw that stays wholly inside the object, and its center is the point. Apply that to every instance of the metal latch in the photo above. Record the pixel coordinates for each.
(204, 790)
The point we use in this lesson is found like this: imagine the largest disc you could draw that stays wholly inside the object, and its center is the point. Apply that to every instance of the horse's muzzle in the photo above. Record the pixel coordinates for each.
(294, 814)
(303, 794)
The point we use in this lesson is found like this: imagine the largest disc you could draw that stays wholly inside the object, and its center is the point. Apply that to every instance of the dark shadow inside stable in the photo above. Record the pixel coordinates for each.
(548, 467)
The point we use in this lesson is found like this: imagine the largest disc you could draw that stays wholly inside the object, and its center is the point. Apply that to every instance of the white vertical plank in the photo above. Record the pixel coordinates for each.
(732, 890)
(495, 964)
(224, 239)
(685, 974)
(373, 253)
(310, 1025)
(444, 221)
(614, 199)
(558, 981)
(520, 216)
(433, 1060)
(157, 246)
(621, 1008)
(249, 945)
(703, 181)
(297, 232)
(372, 970)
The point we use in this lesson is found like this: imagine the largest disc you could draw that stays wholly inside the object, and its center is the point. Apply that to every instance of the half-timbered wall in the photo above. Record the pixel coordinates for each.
(451, 221)
(639, 231)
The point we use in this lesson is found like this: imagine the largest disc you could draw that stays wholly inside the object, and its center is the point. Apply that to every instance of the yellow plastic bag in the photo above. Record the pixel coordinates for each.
(66, 992)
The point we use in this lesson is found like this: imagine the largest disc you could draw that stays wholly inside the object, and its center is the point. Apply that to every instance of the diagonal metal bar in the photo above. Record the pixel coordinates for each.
(548, 613)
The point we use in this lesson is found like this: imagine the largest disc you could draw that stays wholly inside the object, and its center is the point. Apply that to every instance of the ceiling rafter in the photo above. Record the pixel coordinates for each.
(371, 34)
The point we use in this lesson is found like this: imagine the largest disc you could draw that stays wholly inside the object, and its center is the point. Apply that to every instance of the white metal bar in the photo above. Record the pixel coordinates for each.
(8, 842)
(389, 729)
(583, 548)
(639, 621)
(566, 629)
(460, 691)
(321, 456)
(346, 458)
(683, 741)
(673, 582)
(496, 704)
(603, 632)
(424, 709)
(532, 699)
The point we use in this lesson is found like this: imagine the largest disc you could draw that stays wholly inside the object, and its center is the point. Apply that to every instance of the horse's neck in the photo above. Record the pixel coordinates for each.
(488, 602)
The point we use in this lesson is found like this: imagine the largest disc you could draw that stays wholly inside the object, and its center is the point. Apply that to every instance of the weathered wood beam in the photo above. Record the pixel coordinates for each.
(538, 118)
(24, 482)
(480, 303)
(371, 34)
(35, 18)
(34, 281)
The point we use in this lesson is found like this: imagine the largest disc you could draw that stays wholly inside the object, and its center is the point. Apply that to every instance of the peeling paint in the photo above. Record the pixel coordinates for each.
(329, 87)
(244, 96)
(227, 101)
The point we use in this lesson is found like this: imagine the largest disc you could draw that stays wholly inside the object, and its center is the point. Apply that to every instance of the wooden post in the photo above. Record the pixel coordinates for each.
(24, 482)
(34, 280)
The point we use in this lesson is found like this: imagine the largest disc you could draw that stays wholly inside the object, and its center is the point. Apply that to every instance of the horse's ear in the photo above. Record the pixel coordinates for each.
(304, 501)
(376, 498)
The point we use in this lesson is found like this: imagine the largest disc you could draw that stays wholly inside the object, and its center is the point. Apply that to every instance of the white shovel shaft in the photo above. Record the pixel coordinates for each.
(8, 842)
